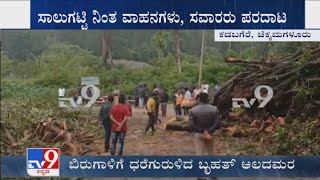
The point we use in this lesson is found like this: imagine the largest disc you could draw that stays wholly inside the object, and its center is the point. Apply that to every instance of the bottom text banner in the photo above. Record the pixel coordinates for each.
(172, 166)
(267, 35)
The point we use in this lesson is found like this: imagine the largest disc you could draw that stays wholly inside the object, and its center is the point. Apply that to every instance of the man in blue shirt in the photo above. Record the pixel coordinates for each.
(104, 117)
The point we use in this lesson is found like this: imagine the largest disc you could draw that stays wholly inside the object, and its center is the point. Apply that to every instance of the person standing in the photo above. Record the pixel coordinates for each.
(61, 92)
(136, 98)
(163, 102)
(141, 95)
(179, 100)
(205, 87)
(151, 111)
(157, 88)
(74, 94)
(157, 99)
(104, 117)
(116, 94)
(196, 92)
(174, 98)
(147, 93)
(204, 120)
(119, 115)
(187, 97)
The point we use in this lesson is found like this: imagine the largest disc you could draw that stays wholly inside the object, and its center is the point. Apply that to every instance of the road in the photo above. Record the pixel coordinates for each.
(169, 143)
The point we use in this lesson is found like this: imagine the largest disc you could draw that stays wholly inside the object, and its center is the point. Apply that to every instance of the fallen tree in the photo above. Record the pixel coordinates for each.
(294, 80)
(74, 135)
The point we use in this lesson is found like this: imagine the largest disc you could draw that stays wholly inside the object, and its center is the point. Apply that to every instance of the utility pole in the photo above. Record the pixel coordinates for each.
(201, 58)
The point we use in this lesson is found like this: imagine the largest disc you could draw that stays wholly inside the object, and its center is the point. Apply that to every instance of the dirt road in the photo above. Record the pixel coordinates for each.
(175, 143)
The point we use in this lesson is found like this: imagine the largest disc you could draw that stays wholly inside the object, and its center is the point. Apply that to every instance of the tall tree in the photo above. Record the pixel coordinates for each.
(178, 58)
(106, 50)
(159, 40)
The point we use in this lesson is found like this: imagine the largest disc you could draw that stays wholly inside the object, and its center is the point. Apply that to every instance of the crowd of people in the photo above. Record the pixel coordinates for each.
(204, 118)
(193, 102)
(115, 112)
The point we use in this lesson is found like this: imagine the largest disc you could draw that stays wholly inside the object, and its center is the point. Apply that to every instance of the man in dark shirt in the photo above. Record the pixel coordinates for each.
(163, 102)
(104, 116)
(135, 94)
(204, 120)
(119, 115)
(141, 95)
(157, 99)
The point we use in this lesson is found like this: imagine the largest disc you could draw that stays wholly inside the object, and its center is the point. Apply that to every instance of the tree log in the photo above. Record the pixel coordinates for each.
(9, 136)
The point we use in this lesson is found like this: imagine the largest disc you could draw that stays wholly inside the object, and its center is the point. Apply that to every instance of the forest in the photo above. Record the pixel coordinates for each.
(61, 57)
(34, 64)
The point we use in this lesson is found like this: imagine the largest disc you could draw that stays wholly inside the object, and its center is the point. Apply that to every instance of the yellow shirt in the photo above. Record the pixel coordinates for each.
(151, 105)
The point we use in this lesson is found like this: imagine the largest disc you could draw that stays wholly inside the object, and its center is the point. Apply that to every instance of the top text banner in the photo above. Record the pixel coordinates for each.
(167, 14)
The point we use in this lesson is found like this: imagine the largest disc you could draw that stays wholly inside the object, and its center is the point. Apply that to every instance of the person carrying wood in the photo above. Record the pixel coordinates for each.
(187, 97)
(104, 117)
(119, 115)
(151, 111)
(204, 120)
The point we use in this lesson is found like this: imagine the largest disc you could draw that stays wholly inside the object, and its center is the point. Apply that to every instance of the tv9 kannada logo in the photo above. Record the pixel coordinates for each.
(95, 95)
(257, 93)
(43, 162)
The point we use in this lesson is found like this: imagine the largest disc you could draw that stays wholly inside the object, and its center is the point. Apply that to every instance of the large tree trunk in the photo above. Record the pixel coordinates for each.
(178, 58)
(106, 50)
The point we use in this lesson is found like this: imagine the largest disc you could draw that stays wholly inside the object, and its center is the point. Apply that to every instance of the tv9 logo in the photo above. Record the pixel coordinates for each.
(43, 162)
(95, 95)
(263, 100)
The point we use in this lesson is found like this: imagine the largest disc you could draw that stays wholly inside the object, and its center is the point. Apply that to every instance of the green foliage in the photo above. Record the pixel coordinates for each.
(298, 138)
(23, 91)
(64, 64)
(306, 56)
(301, 96)
(60, 64)
(218, 72)
(250, 53)
(7, 65)
(159, 39)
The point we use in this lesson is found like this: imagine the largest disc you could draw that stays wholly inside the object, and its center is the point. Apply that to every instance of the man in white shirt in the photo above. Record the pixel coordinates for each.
(61, 92)
(205, 88)
(188, 93)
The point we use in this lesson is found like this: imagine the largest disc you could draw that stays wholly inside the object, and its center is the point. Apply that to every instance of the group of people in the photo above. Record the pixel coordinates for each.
(184, 94)
(115, 112)
(204, 118)
(142, 93)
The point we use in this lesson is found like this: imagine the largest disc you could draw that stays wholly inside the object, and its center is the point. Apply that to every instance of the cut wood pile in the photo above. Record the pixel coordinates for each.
(72, 140)
(294, 79)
